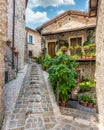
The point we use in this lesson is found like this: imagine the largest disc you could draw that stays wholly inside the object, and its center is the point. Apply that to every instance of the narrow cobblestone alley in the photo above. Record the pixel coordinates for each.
(35, 110)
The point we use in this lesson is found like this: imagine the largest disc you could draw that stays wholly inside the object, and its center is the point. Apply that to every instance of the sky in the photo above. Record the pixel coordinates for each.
(41, 11)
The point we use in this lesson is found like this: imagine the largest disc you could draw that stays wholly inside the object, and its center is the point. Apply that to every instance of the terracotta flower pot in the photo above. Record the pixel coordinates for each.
(13, 48)
(90, 105)
(16, 53)
(63, 104)
(94, 106)
(83, 57)
(83, 103)
(8, 42)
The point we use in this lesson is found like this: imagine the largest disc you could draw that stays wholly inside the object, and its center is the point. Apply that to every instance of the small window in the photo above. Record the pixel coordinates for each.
(74, 42)
(30, 54)
(30, 39)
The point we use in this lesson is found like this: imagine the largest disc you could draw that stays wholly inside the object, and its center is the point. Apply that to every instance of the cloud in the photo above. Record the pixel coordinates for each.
(46, 3)
(60, 12)
(36, 17)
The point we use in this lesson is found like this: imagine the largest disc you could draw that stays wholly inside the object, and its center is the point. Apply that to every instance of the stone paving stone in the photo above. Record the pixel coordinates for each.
(13, 123)
(36, 108)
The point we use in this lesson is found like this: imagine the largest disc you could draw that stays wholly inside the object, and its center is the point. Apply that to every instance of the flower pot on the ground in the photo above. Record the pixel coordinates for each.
(63, 104)
(94, 106)
(90, 105)
(83, 103)
(74, 96)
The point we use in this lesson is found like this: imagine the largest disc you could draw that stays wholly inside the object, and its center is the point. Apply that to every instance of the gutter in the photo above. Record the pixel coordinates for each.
(13, 33)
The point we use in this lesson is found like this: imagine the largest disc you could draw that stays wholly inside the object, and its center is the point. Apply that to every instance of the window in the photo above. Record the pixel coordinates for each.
(30, 39)
(74, 42)
(30, 54)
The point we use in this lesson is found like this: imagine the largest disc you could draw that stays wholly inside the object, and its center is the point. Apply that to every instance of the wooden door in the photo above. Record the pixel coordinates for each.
(74, 42)
(51, 49)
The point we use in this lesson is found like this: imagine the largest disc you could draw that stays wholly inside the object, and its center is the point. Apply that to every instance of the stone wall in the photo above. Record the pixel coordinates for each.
(19, 37)
(35, 47)
(92, 117)
(87, 68)
(3, 31)
(100, 61)
(20, 34)
(70, 20)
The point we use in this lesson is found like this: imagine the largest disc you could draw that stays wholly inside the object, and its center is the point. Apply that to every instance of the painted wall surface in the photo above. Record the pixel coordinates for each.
(35, 47)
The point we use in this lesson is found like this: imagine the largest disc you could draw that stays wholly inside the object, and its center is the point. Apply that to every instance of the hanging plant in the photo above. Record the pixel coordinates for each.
(16, 53)
(63, 48)
(13, 48)
(8, 42)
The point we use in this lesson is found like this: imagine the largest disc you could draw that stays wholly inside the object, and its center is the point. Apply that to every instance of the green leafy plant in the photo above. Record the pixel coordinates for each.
(58, 53)
(71, 48)
(87, 85)
(47, 61)
(84, 97)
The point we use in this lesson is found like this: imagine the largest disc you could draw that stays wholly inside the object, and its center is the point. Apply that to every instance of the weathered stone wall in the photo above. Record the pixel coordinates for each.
(70, 21)
(87, 69)
(100, 61)
(20, 34)
(64, 36)
(35, 47)
(3, 31)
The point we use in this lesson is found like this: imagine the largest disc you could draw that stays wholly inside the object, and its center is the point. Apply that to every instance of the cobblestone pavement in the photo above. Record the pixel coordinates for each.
(36, 108)
(11, 93)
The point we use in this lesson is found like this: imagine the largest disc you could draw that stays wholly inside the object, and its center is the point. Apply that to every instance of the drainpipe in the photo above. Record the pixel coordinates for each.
(13, 33)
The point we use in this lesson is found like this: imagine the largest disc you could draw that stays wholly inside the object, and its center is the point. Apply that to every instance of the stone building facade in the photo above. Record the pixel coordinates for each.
(16, 34)
(100, 61)
(34, 42)
(66, 27)
(3, 32)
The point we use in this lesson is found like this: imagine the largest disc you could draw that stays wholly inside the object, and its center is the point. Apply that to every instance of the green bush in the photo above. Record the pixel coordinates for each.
(47, 61)
(63, 73)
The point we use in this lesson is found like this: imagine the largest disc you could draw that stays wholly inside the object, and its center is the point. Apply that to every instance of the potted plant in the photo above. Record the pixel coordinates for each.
(90, 102)
(84, 99)
(85, 86)
(93, 45)
(94, 103)
(63, 48)
(8, 42)
(71, 48)
(13, 48)
(16, 53)
(86, 48)
(93, 54)
(83, 55)
(63, 92)
(59, 73)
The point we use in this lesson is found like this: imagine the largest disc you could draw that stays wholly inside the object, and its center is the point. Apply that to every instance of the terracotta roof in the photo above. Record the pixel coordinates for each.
(70, 30)
(68, 12)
